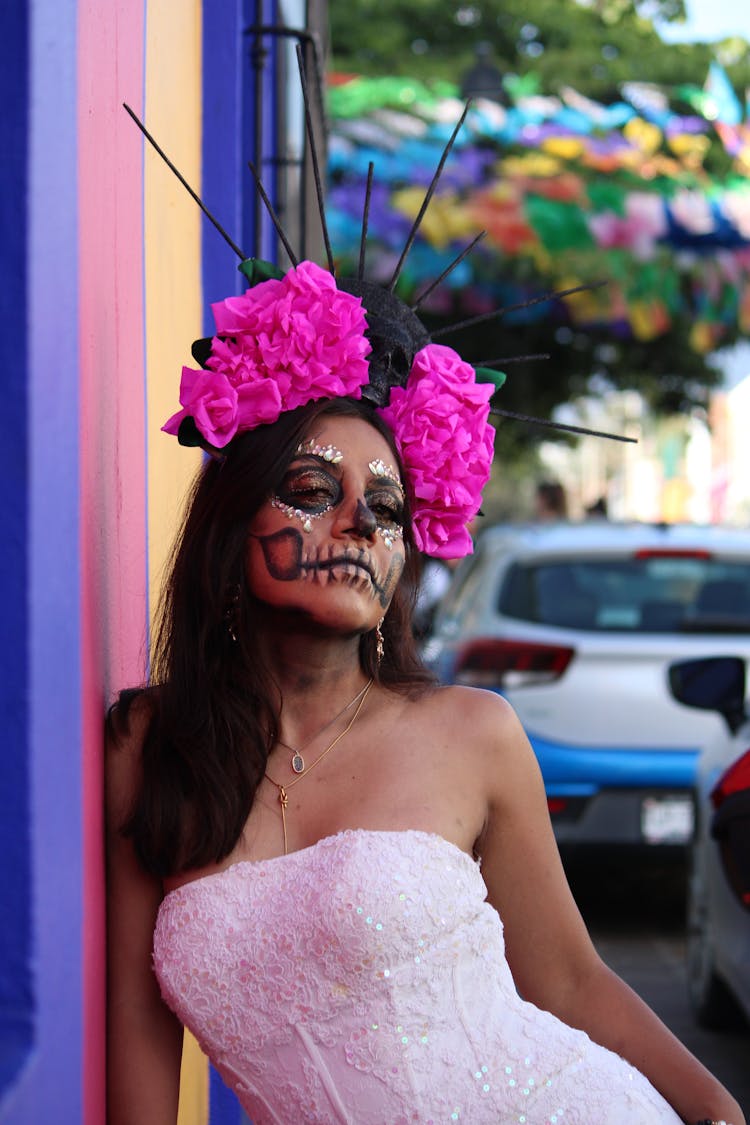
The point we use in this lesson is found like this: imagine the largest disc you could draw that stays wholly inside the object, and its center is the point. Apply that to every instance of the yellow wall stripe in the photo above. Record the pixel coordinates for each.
(173, 320)
(172, 256)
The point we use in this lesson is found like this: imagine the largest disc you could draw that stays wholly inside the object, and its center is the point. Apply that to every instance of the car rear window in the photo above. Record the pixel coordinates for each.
(650, 594)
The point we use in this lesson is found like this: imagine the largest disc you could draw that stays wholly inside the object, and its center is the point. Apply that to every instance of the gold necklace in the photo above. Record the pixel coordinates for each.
(297, 761)
(284, 789)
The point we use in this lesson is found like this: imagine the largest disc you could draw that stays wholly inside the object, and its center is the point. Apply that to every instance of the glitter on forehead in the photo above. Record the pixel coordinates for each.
(310, 448)
(379, 468)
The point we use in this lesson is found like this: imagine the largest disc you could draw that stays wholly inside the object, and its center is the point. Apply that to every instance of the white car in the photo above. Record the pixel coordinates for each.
(577, 625)
(718, 948)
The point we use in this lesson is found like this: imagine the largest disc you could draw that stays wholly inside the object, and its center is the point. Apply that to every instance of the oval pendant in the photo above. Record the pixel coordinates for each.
(298, 763)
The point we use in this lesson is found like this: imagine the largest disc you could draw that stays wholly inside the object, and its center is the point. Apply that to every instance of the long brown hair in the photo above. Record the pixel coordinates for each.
(214, 709)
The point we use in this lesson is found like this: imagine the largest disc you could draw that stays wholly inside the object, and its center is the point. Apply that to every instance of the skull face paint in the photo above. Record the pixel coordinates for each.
(379, 469)
(364, 519)
(309, 491)
(288, 561)
(342, 556)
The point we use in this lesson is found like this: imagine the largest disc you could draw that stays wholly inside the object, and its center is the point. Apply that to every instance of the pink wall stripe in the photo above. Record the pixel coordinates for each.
(112, 445)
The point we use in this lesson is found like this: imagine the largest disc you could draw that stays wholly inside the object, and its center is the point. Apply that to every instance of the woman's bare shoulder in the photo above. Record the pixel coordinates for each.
(455, 705)
(484, 729)
(476, 724)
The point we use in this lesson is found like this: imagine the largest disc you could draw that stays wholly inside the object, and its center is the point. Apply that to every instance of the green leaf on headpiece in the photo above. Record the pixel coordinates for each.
(256, 270)
(489, 375)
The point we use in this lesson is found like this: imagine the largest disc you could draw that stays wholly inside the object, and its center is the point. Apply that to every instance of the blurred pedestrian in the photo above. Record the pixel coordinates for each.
(550, 502)
(433, 586)
(598, 510)
(484, 79)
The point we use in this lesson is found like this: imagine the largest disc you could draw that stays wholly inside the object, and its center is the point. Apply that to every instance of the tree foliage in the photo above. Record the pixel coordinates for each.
(594, 46)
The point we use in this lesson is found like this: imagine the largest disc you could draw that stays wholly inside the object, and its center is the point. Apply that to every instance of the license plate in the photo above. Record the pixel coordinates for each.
(667, 820)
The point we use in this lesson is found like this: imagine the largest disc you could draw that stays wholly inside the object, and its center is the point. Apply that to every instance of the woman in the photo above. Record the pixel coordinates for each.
(297, 813)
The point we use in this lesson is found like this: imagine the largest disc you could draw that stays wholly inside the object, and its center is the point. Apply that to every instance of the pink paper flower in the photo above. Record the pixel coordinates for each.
(211, 400)
(440, 423)
(283, 343)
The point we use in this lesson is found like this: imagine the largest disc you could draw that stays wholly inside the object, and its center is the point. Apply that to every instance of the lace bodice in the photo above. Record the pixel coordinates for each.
(364, 980)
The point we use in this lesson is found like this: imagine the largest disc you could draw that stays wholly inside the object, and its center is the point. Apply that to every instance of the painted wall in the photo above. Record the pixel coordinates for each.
(106, 274)
(15, 936)
(40, 571)
(100, 296)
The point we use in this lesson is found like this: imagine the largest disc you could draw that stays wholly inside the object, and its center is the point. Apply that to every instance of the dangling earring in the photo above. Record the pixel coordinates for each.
(379, 641)
(232, 611)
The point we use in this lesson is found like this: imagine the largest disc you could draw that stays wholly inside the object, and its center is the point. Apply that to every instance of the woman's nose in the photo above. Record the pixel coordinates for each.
(363, 521)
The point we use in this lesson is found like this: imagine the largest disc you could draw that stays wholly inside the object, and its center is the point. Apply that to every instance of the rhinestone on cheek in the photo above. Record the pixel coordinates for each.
(389, 534)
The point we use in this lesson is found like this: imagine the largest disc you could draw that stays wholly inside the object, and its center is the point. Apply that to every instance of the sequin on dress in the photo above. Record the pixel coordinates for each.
(363, 980)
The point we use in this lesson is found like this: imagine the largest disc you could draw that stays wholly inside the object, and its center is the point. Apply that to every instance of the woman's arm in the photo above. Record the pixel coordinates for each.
(552, 958)
(144, 1039)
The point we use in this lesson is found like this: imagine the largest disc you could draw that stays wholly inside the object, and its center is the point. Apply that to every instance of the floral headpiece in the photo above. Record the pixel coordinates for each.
(294, 339)
(299, 336)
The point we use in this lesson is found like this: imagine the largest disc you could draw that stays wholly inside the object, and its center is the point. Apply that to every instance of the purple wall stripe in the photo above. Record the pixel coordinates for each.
(53, 1076)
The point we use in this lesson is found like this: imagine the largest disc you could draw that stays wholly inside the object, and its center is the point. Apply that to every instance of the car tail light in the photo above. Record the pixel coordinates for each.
(731, 825)
(671, 553)
(733, 780)
(565, 808)
(507, 663)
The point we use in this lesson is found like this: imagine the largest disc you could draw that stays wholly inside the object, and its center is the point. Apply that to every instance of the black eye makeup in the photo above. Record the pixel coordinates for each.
(309, 490)
(386, 505)
(306, 493)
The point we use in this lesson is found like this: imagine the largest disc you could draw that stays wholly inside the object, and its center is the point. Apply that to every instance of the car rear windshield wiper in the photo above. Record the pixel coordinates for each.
(717, 624)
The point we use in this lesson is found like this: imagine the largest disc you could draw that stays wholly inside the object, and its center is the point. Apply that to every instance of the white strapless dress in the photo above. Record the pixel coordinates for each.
(363, 980)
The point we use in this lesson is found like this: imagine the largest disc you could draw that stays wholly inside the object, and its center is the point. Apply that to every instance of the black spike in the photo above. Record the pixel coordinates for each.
(274, 217)
(513, 308)
(427, 198)
(185, 184)
(314, 156)
(365, 222)
(560, 425)
(449, 269)
(505, 360)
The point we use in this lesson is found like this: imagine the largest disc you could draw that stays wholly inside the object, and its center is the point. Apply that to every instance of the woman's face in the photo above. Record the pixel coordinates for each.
(329, 545)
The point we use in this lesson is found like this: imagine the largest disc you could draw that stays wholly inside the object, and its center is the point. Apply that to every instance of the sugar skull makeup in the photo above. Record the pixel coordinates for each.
(328, 544)
(287, 561)
(387, 533)
(308, 492)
